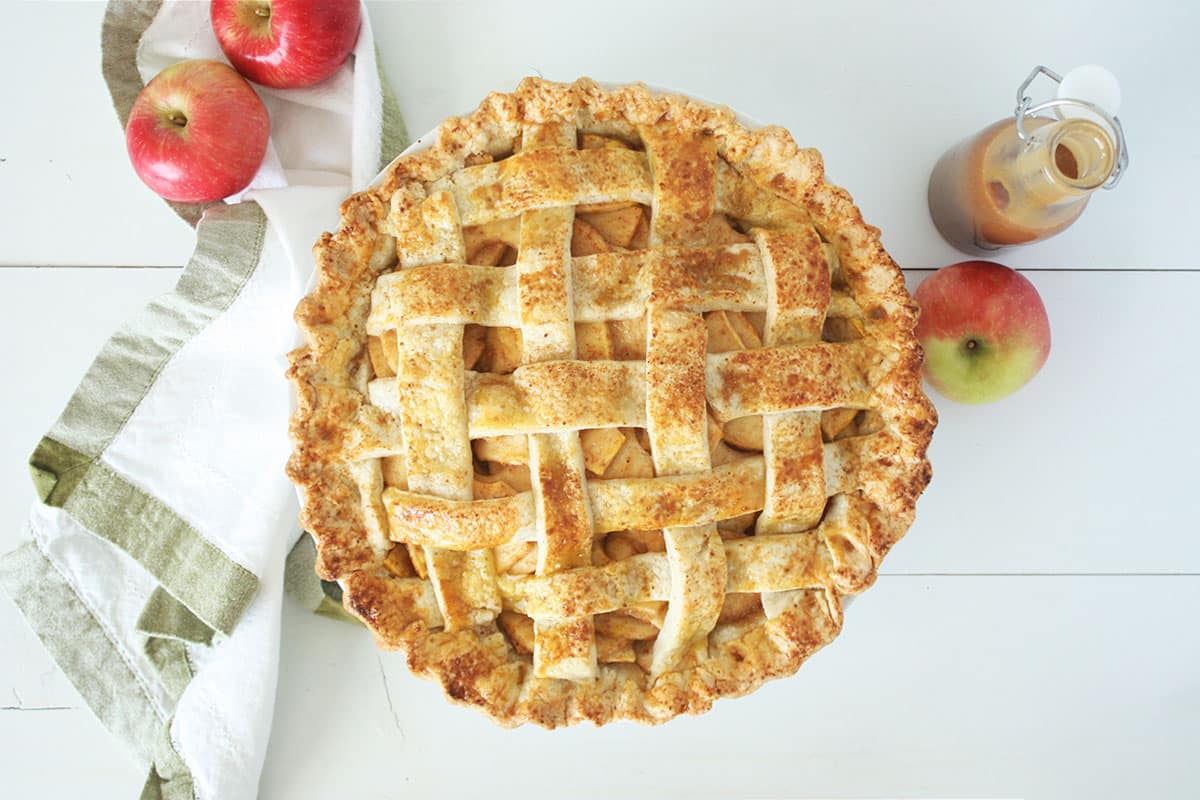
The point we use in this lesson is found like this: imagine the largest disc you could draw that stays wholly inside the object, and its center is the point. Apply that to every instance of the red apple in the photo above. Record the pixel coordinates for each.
(198, 132)
(286, 44)
(984, 330)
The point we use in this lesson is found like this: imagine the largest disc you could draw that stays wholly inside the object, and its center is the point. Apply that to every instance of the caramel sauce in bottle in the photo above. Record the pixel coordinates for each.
(994, 190)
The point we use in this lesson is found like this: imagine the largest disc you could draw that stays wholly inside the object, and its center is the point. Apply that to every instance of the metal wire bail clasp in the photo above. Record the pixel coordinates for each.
(1026, 107)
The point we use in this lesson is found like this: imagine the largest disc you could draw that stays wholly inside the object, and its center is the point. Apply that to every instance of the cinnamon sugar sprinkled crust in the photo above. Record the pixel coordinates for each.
(657, 561)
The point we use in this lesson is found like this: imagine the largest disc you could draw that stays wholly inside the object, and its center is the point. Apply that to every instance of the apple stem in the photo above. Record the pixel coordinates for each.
(177, 118)
(972, 344)
(263, 11)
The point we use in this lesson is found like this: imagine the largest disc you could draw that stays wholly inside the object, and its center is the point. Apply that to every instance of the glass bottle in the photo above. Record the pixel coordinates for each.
(1025, 179)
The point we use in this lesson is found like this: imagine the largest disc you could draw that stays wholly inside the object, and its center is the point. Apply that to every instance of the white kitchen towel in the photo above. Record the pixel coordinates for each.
(155, 567)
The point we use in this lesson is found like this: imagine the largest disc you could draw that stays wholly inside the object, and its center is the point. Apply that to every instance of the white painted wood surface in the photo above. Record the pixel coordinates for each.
(943, 686)
(881, 88)
(1034, 634)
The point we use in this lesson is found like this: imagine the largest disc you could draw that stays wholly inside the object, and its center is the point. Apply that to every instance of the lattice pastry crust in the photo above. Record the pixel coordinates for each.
(606, 401)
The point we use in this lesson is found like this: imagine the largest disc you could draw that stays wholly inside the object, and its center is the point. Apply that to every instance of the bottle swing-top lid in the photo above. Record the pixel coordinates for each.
(1089, 92)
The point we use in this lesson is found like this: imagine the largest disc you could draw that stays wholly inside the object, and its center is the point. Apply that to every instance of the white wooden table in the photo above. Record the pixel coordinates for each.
(1035, 635)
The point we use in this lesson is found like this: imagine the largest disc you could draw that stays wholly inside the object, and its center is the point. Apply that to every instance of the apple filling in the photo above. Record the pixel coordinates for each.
(502, 463)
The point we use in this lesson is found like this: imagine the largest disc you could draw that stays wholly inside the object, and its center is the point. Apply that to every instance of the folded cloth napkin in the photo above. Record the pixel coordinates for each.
(156, 564)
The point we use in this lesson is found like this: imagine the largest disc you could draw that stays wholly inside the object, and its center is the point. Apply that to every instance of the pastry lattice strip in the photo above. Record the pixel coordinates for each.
(829, 553)
(766, 563)
(722, 493)
(607, 287)
(563, 647)
(565, 177)
(559, 396)
(798, 285)
(435, 443)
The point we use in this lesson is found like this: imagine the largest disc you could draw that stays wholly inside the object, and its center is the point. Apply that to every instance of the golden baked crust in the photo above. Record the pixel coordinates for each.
(707, 572)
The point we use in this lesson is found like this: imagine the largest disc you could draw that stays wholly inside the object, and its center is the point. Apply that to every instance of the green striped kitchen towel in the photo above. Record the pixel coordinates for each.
(156, 562)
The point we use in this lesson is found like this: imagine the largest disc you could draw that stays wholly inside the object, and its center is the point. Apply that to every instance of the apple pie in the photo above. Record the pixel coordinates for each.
(606, 402)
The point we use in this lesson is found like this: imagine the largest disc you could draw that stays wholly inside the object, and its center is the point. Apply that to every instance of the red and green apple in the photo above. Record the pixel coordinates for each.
(286, 44)
(198, 132)
(984, 330)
